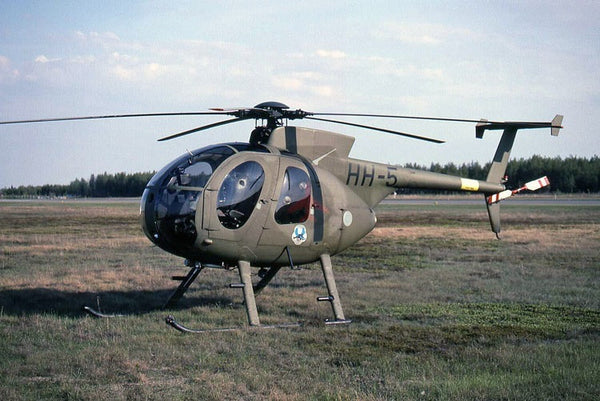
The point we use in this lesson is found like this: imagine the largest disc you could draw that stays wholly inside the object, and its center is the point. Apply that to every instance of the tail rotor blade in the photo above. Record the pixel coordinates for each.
(537, 184)
(530, 186)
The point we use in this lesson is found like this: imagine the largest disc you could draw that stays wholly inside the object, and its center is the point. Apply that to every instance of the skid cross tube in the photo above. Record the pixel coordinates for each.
(185, 284)
(266, 279)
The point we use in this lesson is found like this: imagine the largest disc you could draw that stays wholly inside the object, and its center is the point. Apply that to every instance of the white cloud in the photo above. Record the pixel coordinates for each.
(323, 90)
(7, 73)
(288, 83)
(397, 68)
(304, 85)
(102, 36)
(154, 70)
(334, 54)
(89, 59)
(421, 33)
(123, 73)
(186, 71)
(145, 72)
(43, 59)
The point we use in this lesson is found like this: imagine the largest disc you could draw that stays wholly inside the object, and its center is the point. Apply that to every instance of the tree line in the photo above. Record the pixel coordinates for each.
(569, 175)
(98, 186)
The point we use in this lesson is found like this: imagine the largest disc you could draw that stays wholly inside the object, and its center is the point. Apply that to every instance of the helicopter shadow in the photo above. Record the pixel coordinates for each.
(33, 301)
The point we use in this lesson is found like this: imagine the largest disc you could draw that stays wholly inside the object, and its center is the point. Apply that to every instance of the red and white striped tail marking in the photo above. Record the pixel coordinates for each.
(530, 186)
(499, 196)
(537, 184)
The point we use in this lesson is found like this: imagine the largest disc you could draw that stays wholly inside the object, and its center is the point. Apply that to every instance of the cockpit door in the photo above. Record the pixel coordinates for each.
(238, 197)
(290, 225)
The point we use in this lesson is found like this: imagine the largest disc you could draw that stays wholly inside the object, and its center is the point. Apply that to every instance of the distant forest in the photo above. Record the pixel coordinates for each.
(98, 186)
(569, 175)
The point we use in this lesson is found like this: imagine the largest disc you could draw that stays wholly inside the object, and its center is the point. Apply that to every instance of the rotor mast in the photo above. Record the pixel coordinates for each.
(270, 112)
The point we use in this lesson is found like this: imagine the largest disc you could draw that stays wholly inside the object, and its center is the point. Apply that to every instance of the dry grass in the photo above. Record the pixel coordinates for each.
(441, 310)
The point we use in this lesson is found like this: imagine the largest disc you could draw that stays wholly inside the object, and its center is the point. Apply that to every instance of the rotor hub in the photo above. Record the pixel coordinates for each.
(271, 106)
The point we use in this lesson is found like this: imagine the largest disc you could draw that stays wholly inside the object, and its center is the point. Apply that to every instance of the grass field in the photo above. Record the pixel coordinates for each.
(441, 310)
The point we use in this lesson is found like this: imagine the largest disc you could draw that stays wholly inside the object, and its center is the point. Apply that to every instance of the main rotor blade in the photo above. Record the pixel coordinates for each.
(461, 120)
(204, 127)
(529, 124)
(423, 138)
(44, 120)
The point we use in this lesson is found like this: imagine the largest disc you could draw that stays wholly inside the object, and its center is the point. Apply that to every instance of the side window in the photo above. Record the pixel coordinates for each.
(293, 205)
(239, 193)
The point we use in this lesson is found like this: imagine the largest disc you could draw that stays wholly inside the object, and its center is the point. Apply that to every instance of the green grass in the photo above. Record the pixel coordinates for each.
(440, 310)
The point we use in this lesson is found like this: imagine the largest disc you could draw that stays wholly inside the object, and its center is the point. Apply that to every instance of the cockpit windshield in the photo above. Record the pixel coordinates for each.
(173, 194)
(192, 170)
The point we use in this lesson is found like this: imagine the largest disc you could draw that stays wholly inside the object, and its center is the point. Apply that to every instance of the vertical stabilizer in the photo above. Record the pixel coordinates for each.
(497, 173)
(500, 161)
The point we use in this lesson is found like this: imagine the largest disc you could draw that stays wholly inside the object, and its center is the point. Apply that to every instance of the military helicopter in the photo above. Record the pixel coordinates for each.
(289, 196)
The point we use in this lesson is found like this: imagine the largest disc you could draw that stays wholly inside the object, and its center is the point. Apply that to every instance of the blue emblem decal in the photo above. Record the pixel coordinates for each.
(299, 234)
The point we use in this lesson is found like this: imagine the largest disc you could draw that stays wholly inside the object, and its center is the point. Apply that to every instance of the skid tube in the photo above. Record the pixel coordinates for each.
(170, 320)
(100, 315)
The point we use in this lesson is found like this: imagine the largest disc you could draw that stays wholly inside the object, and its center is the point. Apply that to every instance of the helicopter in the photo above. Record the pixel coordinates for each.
(289, 196)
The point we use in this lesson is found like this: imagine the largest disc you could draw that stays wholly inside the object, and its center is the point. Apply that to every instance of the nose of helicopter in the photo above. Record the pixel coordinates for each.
(174, 196)
(147, 215)
(168, 219)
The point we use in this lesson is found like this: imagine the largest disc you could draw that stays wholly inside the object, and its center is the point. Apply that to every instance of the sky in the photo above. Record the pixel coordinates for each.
(500, 60)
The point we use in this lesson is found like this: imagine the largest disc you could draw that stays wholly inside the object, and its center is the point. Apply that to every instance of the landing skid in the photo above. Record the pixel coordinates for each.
(249, 290)
(95, 313)
(335, 322)
(170, 320)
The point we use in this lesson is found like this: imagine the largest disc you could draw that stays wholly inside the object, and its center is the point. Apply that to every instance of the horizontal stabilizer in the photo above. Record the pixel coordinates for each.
(530, 186)
(555, 125)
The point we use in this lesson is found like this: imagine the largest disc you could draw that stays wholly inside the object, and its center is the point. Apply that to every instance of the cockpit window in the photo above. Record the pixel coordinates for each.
(239, 194)
(192, 170)
(293, 205)
(195, 175)
(197, 169)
